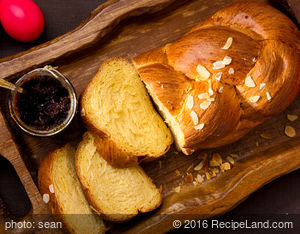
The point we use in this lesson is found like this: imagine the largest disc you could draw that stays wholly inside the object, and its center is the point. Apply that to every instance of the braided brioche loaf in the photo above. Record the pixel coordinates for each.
(225, 76)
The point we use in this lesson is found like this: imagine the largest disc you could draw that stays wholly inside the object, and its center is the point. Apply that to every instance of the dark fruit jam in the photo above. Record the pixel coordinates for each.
(45, 105)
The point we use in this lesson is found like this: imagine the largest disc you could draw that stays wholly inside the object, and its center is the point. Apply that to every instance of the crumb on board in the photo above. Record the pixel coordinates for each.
(189, 178)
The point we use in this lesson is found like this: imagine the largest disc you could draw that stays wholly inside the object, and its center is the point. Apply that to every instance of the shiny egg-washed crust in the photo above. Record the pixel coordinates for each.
(266, 46)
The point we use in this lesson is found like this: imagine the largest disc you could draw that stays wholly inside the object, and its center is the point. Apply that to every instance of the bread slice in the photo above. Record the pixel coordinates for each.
(116, 106)
(117, 194)
(57, 174)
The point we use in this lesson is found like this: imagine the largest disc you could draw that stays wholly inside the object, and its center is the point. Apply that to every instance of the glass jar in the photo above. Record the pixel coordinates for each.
(14, 96)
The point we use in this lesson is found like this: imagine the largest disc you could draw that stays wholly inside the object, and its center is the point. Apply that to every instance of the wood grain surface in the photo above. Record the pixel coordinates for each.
(105, 34)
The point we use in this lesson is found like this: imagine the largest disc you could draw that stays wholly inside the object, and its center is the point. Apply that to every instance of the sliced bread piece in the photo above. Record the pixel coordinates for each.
(116, 106)
(62, 190)
(117, 194)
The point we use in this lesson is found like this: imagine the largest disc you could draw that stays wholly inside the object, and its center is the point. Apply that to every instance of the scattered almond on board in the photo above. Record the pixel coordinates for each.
(292, 117)
(290, 131)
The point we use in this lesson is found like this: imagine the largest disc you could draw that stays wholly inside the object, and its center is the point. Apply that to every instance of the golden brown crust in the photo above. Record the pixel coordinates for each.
(114, 155)
(266, 46)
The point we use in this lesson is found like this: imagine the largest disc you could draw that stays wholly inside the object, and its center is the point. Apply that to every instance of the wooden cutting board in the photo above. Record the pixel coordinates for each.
(128, 28)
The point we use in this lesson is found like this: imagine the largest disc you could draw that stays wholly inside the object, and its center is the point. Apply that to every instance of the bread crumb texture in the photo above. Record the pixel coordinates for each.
(75, 209)
(116, 103)
(118, 194)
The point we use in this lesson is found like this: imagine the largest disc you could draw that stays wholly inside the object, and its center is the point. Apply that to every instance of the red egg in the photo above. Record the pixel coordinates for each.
(23, 20)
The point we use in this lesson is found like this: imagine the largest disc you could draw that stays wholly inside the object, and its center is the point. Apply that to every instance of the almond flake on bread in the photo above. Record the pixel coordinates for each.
(117, 194)
(249, 82)
(218, 65)
(66, 198)
(266, 34)
(227, 60)
(203, 72)
(118, 108)
(227, 44)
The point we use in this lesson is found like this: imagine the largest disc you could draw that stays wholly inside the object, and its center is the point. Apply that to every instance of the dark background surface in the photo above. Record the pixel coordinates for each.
(282, 196)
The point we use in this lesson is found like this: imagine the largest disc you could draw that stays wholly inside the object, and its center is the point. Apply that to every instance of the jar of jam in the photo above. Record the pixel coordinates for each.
(48, 104)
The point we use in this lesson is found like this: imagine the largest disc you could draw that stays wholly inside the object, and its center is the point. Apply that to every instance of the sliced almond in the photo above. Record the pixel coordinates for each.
(210, 92)
(204, 105)
(221, 89)
(199, 126)
(218, 76)
(51, 188)
(203, 96)
(262, 85)
(208, 176)
(203, 72)
(225, 166)
(268, 96)
(230, 159)
(200, 178)
(254, 59)
(217, 157)
(199, 166)
(213, 163)
(292, 117)
(231, 71)
(227, 60)
(254, 99)
(194, 117)
(190, 102)
(249, 82)
(218, 65)
(228, 43)
(290, 131)
(46, 198)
